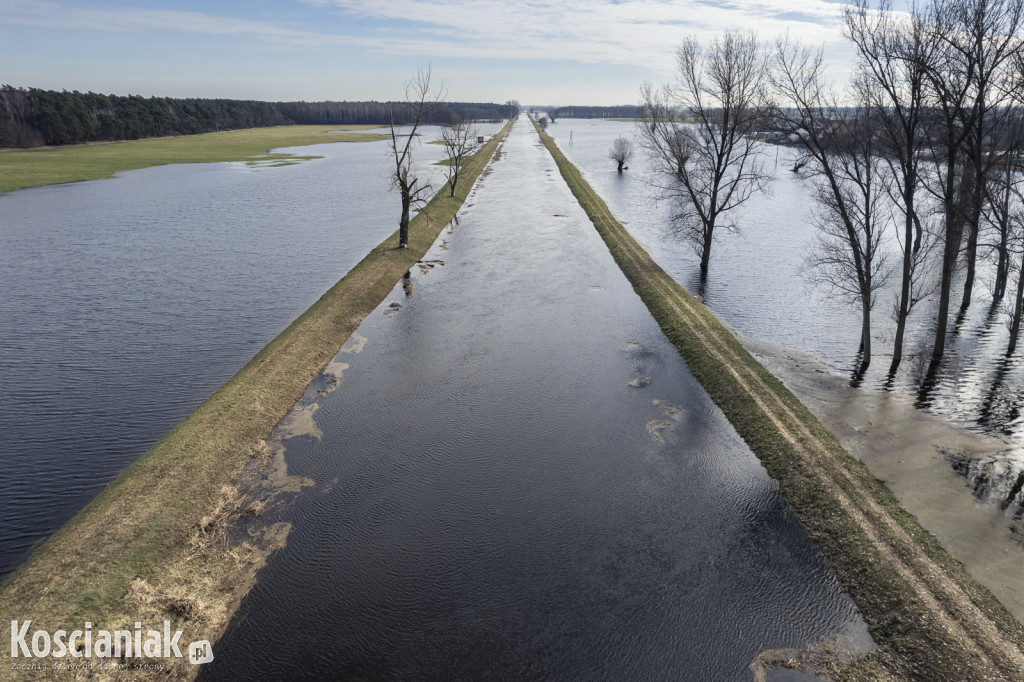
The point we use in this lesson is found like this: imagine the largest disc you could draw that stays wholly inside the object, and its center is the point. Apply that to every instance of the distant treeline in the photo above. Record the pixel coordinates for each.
(33, 117)
(622, 111)
(379, 113)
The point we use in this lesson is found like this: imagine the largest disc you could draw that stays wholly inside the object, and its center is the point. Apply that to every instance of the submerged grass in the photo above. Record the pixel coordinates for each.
(929, 618)
(154, 545)
(20, 168)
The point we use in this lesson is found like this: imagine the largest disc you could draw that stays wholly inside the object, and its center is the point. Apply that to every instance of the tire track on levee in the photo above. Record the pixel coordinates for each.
(930, 619)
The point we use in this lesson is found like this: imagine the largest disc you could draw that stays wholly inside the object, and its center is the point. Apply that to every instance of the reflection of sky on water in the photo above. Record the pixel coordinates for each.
(755, 284)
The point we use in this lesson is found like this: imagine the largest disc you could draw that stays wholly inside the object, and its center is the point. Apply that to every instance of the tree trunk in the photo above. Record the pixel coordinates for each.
(1018, 303)
(972, 253)
(1002, 272)
(909, 225)
(865, 331)
(620, 165)
(950, 253)
(951, 247)
(454, 182)
(1003, 248)
(403, 225)
(705, 254)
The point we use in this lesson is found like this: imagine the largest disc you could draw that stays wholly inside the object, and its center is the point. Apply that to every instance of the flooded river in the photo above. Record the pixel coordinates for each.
(516, 477)
(126, 302)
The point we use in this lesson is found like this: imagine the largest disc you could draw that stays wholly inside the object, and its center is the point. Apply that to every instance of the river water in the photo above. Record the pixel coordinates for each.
(518, 478)
(757, 283)
(126, 302)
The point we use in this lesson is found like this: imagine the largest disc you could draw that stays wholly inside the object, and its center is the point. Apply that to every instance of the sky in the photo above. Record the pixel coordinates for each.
(539, 52)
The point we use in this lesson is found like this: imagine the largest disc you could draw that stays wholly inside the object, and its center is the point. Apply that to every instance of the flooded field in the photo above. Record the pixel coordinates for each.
(756, 284)
(128, 301)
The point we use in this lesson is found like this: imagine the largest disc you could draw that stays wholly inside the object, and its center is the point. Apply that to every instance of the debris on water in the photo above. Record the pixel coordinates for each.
(392, 308)
(640, 382)
(428, 265)
(655, 427)
(670, 409)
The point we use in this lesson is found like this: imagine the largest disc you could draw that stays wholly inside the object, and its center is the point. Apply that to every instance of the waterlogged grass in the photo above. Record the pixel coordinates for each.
(152, 546)
(21, 168)
(930, 619)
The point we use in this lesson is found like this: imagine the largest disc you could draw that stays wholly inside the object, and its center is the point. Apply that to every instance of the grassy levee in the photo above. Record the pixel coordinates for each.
(930, 619)
(20, 168)
(146, 548)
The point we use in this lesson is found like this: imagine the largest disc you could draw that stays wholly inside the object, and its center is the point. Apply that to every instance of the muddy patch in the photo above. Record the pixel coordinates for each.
(640, 382)
(426, 266)
(953, 480)
(827, 658)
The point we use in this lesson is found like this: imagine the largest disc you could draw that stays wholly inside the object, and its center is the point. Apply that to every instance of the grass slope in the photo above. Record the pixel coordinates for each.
(21, 168)
(930, 619)
(141, 550)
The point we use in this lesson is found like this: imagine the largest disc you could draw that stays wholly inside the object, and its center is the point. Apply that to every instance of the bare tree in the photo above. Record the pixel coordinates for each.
(851, 181)
(894, 51)
(1002, 195)
(621, 151)
(543, 122)
(459, 140)
(711, 166)
(984, 38)
(421, 97)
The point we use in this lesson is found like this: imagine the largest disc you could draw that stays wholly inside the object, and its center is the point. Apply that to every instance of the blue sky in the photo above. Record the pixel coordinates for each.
(536, 51)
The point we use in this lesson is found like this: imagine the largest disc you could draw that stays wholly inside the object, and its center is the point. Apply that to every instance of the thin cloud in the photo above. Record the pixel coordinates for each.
(640, 33)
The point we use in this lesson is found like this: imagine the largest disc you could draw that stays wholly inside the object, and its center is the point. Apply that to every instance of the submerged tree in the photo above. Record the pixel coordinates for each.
(851, 181)
(459, 140)
(421, 97)
(621, 151)
(894, 51)
(711, 165)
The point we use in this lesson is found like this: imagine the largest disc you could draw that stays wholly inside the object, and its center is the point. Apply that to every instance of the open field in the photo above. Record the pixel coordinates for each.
(21, 168)
(154, 545)
(930, 619)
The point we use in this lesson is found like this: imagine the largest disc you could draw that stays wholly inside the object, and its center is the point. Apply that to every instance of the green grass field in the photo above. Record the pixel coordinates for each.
(21, 168)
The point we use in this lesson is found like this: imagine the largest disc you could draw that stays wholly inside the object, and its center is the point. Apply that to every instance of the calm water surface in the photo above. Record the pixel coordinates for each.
(756, 283)
(518, 478)
(126, 302)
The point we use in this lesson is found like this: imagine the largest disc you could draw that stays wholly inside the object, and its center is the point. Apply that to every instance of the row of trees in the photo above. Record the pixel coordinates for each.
(624, 111)
(404, 113)
(916, 162)
(34, 117)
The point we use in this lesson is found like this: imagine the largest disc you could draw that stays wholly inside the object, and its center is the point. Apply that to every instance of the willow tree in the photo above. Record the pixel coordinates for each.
(709, 162)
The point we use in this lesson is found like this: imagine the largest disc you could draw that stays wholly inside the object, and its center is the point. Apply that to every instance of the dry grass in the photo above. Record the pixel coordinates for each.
(930, 619)
(153, 545)
(51, 165)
